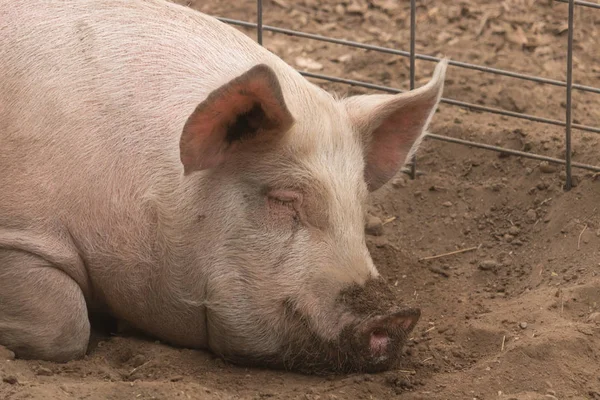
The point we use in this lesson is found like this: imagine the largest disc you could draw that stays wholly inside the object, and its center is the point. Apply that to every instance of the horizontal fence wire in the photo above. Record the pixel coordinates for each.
(524, 154)
(582, 3)
(403, 53)
(568, 85)
(470, 106)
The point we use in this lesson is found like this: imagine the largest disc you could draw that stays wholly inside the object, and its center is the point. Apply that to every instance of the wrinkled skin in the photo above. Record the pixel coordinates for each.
(177, 175)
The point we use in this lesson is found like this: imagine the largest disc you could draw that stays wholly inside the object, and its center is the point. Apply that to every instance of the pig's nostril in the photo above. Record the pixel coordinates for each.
(379, 343)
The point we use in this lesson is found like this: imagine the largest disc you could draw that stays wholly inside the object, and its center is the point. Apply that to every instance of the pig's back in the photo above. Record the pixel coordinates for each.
(90, 83)
(94, 95)
(93, 98)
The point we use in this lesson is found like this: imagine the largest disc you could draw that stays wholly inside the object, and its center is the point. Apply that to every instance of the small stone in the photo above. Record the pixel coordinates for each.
(542, 186)
(345, 58)
(508, 238)
(514, 230)
(308, 63)
(43, 371)
(6, 354)
(523, 325)
(598, 232)
(355, 8)
(447, 204)
(138, 360)
(594, 317)
(374, 226)
(399, 182)
(531, 216)
(10, 379)
(547, 168)
(488, 265)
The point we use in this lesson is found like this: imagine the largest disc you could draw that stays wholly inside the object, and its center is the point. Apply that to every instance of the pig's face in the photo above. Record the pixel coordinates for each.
(293, 283)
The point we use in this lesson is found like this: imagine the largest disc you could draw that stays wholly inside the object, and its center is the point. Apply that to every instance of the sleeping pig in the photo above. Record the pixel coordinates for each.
(161, 166)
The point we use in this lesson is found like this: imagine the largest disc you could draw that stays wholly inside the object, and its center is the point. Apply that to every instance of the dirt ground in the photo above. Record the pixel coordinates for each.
(516, 318)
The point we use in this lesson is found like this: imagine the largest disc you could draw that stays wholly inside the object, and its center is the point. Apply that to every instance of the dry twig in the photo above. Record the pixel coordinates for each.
(449, 254)
(387, 221)
(579, 239)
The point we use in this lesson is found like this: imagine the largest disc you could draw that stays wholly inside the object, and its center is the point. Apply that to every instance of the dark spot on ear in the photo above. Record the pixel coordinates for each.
(247, 124)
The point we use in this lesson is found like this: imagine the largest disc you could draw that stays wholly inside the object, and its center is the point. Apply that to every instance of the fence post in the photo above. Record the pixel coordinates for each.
(413, 31)
(569, 182)
(259, 22)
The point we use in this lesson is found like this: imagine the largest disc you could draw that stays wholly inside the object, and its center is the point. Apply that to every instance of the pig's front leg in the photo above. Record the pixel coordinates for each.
(43, 314)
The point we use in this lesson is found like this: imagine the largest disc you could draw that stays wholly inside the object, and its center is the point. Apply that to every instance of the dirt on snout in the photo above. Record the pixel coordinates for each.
(517, 317)
(374, 298)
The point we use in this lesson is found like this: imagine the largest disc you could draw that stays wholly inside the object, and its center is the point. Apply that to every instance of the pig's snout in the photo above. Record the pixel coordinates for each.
(380, 339)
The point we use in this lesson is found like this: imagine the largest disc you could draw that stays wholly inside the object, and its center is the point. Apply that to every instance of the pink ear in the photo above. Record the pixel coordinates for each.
(248, 109)
(392, 125)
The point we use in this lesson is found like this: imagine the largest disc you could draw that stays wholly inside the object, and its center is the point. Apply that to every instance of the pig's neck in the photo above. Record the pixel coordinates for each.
(177, 273)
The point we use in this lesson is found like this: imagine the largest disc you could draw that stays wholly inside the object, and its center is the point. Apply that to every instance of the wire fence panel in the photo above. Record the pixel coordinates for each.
(413, 56)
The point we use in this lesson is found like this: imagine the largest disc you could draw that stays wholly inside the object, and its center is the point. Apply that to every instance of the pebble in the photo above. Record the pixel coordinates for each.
(531, 216)
(43, 371)
(542, 186)
(399, 182)
(523, 325)
(488, 265)
(6, 354)
(514, 230)
(594, 317)
(138, 360)
(447, 204)
(547, 168)
(10, 379)
(374, 226)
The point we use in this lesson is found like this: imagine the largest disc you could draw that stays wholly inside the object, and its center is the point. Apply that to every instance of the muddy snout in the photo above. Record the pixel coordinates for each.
(382, 328)
(379, 339)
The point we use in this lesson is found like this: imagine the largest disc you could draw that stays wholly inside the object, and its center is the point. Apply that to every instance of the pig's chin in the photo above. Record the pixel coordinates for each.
(358, 348)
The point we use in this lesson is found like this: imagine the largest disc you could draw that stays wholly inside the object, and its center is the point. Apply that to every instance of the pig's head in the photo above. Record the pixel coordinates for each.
(288, 170)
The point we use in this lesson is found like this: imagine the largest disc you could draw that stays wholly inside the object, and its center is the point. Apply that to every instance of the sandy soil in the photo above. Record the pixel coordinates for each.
(517, 318)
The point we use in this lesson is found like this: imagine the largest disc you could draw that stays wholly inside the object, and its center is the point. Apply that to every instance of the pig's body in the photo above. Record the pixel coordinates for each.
(91, 178)
(97, 213)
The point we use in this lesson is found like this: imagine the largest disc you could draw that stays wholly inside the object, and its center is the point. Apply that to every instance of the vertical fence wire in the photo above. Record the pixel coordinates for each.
(259, 22)
(413, 33)
(569, 182)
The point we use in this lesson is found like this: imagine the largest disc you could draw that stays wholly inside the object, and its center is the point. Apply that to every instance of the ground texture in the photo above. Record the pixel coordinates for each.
(516, 318)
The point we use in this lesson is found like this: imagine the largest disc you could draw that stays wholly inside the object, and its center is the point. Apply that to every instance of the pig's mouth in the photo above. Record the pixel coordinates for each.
(372, 342)
(373, 345)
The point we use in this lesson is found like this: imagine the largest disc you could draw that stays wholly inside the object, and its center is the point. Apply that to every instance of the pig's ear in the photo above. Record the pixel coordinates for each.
(247, 111)
(392, 126)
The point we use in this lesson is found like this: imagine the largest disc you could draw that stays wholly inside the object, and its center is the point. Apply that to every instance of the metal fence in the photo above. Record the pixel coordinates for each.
(412, 55)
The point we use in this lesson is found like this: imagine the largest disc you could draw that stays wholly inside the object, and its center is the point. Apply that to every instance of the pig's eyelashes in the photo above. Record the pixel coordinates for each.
(285, 196)
(284, 203)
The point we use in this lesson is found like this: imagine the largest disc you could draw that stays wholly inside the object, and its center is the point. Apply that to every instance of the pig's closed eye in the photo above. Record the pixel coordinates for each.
(284, 202)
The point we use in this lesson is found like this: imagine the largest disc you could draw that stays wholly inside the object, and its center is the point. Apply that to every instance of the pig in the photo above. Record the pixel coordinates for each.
(162, 167)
